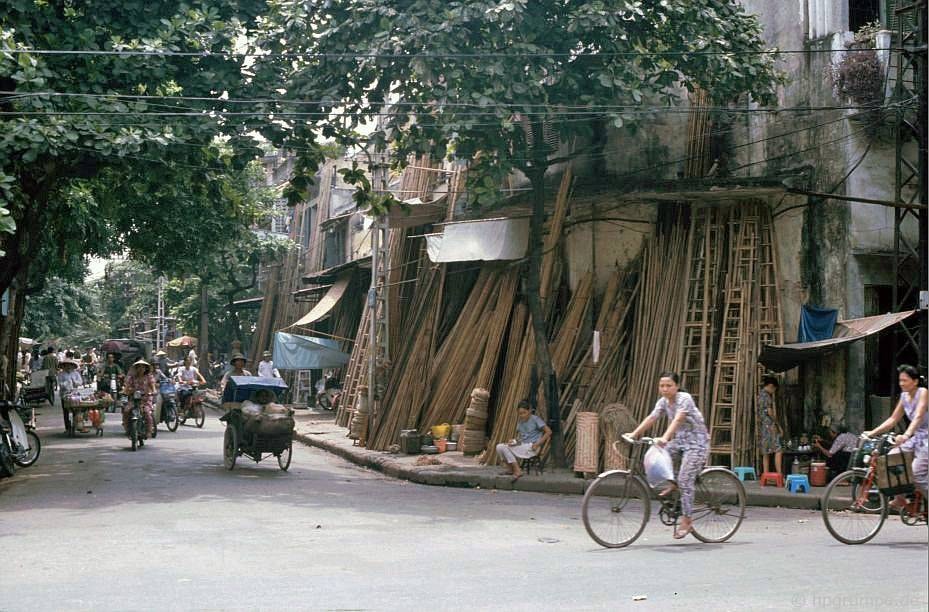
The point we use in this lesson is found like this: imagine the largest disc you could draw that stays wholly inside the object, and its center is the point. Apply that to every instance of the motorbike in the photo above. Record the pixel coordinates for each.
(168, 414)
(191, 405)
(136, 430)
(19, 443)
(328, 397)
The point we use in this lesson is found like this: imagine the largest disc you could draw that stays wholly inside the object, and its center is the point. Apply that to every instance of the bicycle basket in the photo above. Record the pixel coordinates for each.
(894, 473)
(857, 458)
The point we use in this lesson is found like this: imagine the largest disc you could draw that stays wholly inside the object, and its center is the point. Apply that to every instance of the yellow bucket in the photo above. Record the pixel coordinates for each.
(441, 431)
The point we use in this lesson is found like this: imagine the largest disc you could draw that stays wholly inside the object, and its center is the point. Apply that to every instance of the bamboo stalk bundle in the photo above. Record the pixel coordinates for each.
(550, 255)
(515, 382)
(659, 316)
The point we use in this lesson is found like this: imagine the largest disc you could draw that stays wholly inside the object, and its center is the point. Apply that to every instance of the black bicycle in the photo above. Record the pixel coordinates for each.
(617, 504)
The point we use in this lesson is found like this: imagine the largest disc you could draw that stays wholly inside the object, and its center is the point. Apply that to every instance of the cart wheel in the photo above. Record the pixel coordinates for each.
(230, 447)
(283, 459)
(199, 416)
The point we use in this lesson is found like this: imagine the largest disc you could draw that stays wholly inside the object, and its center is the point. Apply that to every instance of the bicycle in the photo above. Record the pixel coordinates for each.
(854, 508)
(617, 505)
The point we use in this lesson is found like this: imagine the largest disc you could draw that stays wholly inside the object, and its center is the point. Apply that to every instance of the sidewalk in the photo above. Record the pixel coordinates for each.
(317, 429)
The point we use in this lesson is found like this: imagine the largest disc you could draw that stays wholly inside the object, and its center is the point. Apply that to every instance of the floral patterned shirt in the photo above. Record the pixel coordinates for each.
(690, 434)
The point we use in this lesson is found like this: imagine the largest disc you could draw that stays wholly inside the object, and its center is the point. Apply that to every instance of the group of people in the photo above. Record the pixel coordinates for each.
(687, 438)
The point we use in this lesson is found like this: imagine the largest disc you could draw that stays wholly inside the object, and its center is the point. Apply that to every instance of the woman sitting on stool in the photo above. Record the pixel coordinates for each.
(531, 435)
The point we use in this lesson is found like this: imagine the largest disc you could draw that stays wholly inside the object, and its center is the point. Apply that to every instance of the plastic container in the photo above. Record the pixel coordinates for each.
(441, 444)
(410, 441)
(819, 474)
(441, 431)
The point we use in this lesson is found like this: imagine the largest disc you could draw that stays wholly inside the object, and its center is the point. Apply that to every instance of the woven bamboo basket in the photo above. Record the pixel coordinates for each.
(587, 450)
(359, 427)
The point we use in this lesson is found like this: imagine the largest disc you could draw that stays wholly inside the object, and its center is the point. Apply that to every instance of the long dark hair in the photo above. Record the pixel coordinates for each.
(913, 373)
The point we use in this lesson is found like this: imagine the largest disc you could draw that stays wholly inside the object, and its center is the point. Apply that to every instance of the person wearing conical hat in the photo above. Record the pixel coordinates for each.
(238, 369)
(140, 379)
(69, 380)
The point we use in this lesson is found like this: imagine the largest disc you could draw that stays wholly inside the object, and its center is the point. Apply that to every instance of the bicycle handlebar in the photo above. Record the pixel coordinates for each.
(642, 440)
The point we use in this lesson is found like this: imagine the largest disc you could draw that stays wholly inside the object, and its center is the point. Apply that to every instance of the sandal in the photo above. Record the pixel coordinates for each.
(681, 534)
(671, 488)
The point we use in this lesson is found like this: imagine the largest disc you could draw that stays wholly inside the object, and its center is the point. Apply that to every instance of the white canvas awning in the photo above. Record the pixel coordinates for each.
(486, 240)
(322, 308)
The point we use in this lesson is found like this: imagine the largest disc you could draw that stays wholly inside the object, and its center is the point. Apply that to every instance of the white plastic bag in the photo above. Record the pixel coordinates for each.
(658, 466)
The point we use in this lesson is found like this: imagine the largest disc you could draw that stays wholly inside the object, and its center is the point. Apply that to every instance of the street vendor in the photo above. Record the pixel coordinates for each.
(768, 428)
(140, 379)
(69, 380)
(238, 369)
(912, 404)
(531, 435)
(109, 369)
(840, 450)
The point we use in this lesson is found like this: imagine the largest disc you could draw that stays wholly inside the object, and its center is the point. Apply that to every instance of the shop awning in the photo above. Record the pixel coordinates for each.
(485, 240)
(326, 304)
(782, 357)
(294, 352)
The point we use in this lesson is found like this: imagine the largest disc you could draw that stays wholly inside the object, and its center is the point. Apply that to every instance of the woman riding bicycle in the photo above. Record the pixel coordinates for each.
(913, 401)
(685, 437)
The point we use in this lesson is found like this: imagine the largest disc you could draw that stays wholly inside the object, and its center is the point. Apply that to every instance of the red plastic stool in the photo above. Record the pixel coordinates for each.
(772, 478)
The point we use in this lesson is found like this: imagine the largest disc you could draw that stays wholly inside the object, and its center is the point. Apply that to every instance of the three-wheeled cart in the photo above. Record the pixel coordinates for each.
(242, 440)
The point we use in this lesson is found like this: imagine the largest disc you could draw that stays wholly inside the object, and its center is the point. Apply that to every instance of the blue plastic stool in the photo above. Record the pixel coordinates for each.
(744, 472)
(796, 481)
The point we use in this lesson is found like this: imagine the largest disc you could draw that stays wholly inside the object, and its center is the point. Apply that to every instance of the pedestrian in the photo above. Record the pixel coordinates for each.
(266, 366)
(531, 435)
(36, 360)
(69, 381)
(912, 404)
(50, 364)
(686, 438)
(768, 428)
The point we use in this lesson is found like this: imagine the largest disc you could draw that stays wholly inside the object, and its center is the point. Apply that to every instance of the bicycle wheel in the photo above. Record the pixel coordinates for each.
(615, 509)
(718, 506)
(848, 509)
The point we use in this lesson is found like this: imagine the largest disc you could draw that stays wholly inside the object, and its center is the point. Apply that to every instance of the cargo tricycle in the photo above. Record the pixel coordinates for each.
(256, 435)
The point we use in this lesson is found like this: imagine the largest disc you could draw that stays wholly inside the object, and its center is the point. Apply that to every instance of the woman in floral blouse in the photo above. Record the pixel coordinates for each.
(686, 438)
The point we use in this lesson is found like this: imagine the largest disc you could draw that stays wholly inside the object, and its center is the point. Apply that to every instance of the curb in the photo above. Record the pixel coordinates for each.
(464, 479)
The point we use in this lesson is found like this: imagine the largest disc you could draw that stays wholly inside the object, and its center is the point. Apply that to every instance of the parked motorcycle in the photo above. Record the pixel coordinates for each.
(136, 422)
(19, 443)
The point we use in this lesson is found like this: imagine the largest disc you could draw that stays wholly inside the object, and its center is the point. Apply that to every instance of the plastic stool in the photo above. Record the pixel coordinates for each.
(797, 481)
(744, 472)
(772, 478)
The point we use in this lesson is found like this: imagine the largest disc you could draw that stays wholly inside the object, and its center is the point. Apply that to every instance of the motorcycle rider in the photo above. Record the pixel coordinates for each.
(140, 379)
(188, 375)
(110, 368)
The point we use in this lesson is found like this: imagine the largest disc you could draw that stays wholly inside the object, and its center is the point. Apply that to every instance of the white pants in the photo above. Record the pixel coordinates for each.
(511, 453)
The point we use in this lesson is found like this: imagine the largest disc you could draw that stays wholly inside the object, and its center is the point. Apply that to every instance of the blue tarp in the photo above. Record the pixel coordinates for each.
(295, 352)
(816, 323)
(240, 388)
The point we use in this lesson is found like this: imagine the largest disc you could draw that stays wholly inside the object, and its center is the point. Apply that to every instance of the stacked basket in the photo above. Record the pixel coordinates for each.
(359, 426)
(474, 438)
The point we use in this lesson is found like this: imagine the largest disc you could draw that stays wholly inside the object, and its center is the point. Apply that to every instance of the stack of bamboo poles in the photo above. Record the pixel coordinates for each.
(698, 135)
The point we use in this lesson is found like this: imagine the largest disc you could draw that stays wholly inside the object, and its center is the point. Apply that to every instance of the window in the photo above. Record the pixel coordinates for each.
(861, 12)
(334, 236)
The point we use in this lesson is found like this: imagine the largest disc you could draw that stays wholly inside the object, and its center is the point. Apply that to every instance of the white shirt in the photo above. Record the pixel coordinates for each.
(69, 381)
(267, 369)
(189, 374)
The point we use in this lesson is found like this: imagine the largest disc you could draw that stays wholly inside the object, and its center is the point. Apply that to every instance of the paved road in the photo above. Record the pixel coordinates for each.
(93, 526)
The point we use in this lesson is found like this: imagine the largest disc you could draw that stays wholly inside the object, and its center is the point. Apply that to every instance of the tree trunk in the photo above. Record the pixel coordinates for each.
(203, 342)
(537, 313)
(10, 328)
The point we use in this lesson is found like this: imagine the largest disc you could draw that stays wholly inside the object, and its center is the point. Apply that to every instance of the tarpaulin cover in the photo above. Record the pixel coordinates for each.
(480, 240)
(782, 357)
(816, 323)
(324, 306)
(240, 388)
(295, 352)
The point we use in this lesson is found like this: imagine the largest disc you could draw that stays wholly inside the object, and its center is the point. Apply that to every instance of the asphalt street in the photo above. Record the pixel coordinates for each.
(93, 526)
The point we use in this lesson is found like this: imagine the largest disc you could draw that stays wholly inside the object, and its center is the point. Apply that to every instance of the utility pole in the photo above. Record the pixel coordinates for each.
(910, 181)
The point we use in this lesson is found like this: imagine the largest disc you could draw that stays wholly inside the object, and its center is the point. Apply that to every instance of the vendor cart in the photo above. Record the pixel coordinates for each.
(241, 440)
(86, 407)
